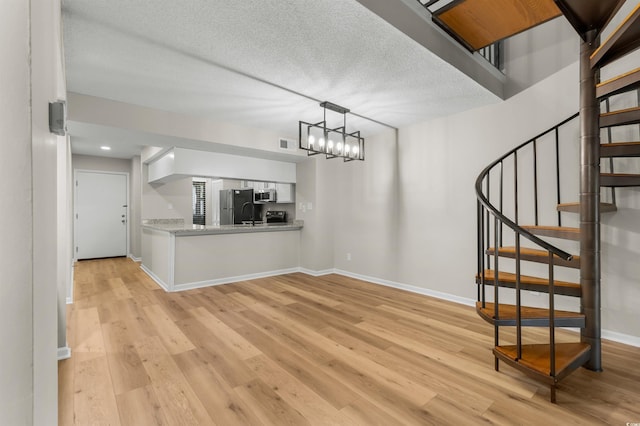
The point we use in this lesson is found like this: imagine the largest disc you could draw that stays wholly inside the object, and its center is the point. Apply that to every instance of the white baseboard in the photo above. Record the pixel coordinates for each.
(621, 338)
(135, 259)
(155, 278)
(316, 273)
(229, 280)
(64, 353)
(409, 288)
(219, 281)
(606, 334)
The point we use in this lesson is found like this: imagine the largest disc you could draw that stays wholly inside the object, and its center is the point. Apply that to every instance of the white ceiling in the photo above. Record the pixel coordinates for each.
(256, 63)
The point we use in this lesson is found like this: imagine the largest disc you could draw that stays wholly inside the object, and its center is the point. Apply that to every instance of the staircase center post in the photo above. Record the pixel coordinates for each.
(590, 201)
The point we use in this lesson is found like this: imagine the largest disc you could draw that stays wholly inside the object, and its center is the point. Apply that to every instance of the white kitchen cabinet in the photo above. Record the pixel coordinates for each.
(258, 185)
(284, 193)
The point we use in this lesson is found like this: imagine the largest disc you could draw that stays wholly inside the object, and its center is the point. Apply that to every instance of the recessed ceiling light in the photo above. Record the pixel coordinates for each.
(105, 148)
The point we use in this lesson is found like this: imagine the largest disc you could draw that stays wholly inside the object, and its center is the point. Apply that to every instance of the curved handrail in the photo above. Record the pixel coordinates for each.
(502, 218)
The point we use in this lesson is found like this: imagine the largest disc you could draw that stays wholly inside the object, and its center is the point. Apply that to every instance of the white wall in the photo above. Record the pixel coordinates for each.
(419, 193)
(534, 55)
(105, 164)
(16, 312)
(408, 213)
(47, 84)
(194, 132)
(135, 208)
(65, 241)
(204, 259)
(315, 204)
(170, 200)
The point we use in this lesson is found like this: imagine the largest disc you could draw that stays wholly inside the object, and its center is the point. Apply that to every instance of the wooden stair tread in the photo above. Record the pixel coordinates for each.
(624, 39)
(619, 84)
(529, 316)
(619, 179)
(563, 232)
(534, 255)
(535, 358)
(508, 279)
(575, 207)
(479, 23)
(620, 118)
(620, 149)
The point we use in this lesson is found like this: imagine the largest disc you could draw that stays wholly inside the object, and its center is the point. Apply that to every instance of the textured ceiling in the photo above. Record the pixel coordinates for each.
(258, 63)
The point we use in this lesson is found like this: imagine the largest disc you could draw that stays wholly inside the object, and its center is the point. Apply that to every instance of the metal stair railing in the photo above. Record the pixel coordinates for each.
(488, 212)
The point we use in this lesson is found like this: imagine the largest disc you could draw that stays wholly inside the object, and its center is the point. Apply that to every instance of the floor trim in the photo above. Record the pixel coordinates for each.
(410, 288)
(316, 273)
(621, 338)
(155, 278)
(229, 280)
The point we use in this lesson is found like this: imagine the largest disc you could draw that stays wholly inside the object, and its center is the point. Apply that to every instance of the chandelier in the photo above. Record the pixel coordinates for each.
(317, 138)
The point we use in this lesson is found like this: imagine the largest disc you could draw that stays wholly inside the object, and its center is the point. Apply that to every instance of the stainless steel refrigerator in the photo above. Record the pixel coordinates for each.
(236, 206)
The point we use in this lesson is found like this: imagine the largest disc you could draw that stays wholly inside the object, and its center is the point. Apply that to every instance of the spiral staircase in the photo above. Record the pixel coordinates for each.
(507, 244)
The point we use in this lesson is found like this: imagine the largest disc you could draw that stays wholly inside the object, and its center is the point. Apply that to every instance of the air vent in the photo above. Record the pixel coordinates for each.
(288, 144)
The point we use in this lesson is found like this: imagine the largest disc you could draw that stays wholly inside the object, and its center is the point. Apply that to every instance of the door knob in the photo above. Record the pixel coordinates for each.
(123, 221)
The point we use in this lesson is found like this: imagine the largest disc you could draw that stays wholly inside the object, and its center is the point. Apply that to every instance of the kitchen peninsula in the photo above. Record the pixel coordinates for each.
(181, 257)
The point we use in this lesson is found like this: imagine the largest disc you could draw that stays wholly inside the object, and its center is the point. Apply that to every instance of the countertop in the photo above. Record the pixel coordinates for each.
(177, 227)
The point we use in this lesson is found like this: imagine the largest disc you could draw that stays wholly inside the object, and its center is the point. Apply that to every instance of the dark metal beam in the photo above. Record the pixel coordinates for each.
(590, 202)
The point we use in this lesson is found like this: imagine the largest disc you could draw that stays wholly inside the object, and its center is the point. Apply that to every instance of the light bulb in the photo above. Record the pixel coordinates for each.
(312, 140)
(347, 149)
(321, 142)
(339, 146)
(330, 144)
(355, 151)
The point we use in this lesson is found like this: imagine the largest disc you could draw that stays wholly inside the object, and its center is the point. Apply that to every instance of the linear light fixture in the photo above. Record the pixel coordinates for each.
(317, 138)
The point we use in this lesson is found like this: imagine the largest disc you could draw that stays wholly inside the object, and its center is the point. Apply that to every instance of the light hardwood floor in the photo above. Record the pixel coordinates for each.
(300, 350)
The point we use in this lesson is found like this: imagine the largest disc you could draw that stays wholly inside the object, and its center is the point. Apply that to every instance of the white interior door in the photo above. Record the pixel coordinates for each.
(101, 215)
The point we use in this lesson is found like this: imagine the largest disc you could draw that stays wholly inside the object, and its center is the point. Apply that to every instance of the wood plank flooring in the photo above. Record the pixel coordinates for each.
(300, 350)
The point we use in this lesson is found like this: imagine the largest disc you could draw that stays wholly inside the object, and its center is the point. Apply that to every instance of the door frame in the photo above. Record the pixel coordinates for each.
(75, 210)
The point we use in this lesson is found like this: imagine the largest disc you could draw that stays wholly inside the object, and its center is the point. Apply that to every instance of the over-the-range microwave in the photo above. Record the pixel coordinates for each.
(264, 195)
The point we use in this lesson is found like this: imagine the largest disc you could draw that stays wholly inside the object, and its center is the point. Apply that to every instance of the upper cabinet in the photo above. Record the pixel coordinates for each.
(285, 192)
(258, 185)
